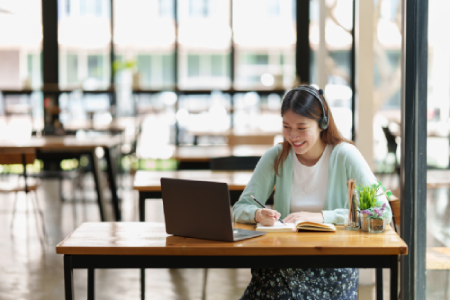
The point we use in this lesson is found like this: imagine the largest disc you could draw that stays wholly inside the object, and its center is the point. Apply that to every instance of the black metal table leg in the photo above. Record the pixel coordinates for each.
(91, 283)
(95, 171)
(141, 207)
(68, 277)
(394, 278)
(142, 284)
(112, 173)
(379, 283)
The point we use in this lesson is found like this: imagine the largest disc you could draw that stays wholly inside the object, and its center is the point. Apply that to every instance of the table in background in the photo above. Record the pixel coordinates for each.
(146, 245)
(198, 157)
(71, 146)
(249, 136)
(148, 183)
(117, 125)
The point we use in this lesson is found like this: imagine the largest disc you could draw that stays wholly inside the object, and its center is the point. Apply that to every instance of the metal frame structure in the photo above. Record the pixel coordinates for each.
(413, 175)
(92, 262)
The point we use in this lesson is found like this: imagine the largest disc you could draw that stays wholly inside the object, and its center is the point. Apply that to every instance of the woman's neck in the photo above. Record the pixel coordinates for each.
(311, 157)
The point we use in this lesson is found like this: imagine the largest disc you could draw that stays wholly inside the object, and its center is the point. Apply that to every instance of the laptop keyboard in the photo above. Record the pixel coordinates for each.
(238, 234)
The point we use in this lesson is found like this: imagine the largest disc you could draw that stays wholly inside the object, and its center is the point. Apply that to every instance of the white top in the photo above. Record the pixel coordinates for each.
(309, 184)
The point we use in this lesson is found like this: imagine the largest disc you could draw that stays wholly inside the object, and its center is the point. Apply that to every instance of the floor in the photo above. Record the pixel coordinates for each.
(30, 272)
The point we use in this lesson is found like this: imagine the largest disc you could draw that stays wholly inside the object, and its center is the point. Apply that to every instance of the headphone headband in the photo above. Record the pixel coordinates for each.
(323, 122)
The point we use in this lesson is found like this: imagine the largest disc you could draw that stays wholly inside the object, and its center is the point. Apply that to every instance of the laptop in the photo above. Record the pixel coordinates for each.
(200, 209)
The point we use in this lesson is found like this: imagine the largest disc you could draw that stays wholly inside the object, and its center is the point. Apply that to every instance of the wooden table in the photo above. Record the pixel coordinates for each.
(148, 183)
(254, 136)
(146, 245)
(71, 146)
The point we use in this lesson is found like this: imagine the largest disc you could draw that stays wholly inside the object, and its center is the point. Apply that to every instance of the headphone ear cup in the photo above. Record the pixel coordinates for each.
(324, 123)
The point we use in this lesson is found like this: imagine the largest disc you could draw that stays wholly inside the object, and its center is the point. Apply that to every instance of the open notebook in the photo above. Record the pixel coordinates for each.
(298, 226)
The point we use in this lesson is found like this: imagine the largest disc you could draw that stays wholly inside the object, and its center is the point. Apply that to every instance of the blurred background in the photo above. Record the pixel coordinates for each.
(166, 75)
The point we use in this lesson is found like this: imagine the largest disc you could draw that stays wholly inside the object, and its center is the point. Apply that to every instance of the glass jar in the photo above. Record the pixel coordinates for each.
(351, 220)
(364, 221)
(376, 225)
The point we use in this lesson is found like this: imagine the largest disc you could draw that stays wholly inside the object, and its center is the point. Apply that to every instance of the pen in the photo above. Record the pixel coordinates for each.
(263, 206)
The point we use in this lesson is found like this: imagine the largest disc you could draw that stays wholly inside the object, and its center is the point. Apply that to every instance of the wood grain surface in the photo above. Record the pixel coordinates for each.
(150, 180)
(143, 238)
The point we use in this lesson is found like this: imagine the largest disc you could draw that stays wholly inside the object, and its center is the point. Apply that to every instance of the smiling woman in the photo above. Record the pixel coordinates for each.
(305, 119)
(310, 170)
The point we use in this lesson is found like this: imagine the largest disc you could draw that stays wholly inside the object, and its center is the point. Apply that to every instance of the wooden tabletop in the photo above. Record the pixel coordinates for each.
(205, 153)
(143, 238)
(62, 142)
(149, 181)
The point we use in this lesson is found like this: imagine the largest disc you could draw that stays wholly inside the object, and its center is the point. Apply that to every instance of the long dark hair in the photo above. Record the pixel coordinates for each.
(305, 104)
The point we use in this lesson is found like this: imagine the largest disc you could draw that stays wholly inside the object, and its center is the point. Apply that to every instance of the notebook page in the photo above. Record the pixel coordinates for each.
(277, 227)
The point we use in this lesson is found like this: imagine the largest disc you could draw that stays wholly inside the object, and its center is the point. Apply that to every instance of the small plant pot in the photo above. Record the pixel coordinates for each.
(364, 222)
(376, 225)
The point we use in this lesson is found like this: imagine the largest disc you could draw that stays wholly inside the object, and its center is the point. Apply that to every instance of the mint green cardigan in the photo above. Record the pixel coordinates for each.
(345, 162)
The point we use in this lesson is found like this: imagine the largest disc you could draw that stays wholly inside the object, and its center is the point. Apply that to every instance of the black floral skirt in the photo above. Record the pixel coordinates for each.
(311, 284)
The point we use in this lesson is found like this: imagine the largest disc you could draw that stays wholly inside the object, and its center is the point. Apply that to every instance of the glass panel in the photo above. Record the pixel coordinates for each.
(204, 42)
(264, 31)
(387, 85)
(331, 62)
(438, 195)
(144, 36)
(21, 62)
(84, 36)
(20, 44)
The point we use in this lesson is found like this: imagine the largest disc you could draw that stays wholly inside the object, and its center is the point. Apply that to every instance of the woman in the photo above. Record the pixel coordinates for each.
(310, 170)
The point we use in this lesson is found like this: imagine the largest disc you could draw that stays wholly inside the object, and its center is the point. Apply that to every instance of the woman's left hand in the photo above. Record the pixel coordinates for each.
(304, 216)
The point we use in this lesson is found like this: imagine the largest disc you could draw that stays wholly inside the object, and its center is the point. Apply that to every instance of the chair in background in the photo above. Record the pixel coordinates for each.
(74, 176)
(230, 163)
(23, 156)
(394, 202)
(391, 146)
(234, 163)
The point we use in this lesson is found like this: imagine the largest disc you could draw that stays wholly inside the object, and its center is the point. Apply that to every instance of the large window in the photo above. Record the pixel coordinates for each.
(438, 205)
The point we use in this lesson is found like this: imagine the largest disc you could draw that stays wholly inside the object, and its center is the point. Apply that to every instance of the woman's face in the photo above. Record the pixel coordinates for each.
(301, 132)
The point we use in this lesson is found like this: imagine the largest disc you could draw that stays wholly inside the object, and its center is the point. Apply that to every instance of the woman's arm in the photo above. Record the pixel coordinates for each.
(356, 167)
(261, 186)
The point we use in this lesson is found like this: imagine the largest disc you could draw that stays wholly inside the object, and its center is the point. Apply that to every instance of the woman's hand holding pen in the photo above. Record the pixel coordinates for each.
(304, 216)
(267, 217)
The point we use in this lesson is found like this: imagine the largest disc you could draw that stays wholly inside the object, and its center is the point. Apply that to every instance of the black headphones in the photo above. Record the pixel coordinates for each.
(323, 122)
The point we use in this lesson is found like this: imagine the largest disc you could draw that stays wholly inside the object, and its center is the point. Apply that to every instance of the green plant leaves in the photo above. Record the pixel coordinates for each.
(367, 195)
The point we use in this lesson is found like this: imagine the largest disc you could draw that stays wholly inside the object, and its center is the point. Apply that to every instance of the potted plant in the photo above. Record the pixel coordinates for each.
(368, 201)
(376, 217)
